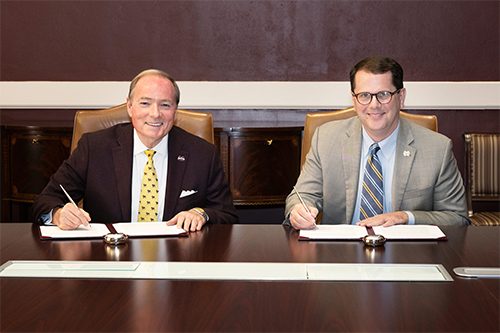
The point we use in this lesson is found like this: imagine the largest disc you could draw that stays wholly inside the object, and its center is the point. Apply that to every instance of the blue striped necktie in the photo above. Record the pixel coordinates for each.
(372, 194)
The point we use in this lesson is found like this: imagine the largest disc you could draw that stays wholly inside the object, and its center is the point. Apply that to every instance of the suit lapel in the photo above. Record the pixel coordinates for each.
(177, 163)
(122, 163)
(405, 155)
(351, 154)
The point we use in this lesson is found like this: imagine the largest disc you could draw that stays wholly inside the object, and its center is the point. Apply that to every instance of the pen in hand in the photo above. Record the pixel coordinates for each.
(303, 203)
(74, 204)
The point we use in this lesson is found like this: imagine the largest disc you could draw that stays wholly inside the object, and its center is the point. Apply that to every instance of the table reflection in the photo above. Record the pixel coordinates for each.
(72, 250)
(374, 254)
(114, 252)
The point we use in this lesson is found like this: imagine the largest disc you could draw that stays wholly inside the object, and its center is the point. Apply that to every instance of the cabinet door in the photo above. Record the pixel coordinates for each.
(263, 165)
(30, 156)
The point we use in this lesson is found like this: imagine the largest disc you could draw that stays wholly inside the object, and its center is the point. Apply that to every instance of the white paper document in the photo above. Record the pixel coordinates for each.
(410, 232)
(355, 232)
(96, 230)
(334, 232)
(148, 229)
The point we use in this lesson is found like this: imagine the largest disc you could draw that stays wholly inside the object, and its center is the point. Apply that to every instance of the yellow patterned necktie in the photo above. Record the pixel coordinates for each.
(148, 203)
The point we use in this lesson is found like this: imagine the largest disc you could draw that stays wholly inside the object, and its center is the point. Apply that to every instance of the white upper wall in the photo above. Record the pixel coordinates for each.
(245, 95)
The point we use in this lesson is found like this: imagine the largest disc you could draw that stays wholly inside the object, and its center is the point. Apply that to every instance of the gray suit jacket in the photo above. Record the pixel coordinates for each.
(427, 182)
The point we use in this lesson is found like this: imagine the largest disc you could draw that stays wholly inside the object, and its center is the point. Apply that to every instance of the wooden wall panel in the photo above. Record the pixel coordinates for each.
(246, 40)
(452, 123)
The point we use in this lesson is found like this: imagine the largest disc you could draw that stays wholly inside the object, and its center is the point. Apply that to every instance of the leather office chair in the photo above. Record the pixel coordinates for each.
(313, 120)
(482, 180)
(197, 123)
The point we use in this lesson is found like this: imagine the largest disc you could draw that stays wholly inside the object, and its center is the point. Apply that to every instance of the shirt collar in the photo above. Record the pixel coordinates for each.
(387, 146)
(161, 148)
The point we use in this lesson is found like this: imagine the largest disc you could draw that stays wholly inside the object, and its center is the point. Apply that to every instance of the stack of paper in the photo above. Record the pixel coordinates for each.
(148, 229)
(337, 231)
(355, 232)
(410, 232)
(98, 230)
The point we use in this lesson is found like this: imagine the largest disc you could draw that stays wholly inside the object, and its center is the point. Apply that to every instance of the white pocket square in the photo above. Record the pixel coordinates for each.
(186, 193)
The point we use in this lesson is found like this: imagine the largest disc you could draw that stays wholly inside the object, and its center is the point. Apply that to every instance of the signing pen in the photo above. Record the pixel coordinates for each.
(74, 204)
(302, 202)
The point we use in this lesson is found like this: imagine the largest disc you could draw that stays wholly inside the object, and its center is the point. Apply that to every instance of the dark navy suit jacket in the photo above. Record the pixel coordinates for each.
(99, 171)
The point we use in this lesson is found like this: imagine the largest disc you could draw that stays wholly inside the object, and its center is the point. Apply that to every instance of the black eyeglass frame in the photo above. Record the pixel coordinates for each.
(376, 96)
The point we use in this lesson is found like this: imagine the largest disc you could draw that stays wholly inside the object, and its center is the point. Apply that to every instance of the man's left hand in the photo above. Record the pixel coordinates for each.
(385, 220)
(188, 220)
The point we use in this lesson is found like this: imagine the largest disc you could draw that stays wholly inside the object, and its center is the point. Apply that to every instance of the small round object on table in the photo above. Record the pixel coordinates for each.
(115, 239)
(374, 240)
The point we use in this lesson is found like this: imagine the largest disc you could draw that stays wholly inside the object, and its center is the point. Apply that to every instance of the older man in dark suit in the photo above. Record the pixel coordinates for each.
(149, 170)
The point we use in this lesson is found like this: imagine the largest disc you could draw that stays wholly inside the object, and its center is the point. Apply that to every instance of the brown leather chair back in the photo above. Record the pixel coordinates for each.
(313, 120)
(197, 123)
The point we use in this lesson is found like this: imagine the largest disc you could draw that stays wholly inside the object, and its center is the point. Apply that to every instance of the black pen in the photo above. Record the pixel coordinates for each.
(302, 202)
(74, 204)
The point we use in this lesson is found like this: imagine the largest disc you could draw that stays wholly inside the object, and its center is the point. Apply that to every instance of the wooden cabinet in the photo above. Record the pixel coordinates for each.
(30, 155)
(262, 163)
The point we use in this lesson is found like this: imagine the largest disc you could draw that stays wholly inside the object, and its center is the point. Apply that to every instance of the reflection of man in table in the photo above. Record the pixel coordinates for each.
(115, 170)
(376, 168)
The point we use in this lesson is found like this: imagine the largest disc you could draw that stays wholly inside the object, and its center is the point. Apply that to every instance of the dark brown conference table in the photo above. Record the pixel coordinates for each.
(53, 304)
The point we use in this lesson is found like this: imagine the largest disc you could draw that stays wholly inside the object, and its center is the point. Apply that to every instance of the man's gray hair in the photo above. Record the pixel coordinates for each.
(157, 72)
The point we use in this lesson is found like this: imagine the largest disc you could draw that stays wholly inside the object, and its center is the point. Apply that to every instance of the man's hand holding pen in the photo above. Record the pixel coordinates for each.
(70, 217)
(303, 216)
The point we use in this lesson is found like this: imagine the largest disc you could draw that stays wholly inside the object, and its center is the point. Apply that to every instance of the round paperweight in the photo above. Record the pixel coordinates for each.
(374, 240)
(115, 239)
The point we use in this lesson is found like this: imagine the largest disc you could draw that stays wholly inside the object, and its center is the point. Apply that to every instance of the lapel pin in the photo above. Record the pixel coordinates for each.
(406, 153)
(181, 158)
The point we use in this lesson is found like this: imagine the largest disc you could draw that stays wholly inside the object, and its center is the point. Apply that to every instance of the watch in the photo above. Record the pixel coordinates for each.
(202, 213)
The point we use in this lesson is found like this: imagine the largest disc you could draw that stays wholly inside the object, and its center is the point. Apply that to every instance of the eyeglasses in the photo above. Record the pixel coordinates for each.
(383, 97)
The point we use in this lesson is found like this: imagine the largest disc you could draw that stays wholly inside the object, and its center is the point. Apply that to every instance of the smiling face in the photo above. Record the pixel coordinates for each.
(151, 106)
(379, 120)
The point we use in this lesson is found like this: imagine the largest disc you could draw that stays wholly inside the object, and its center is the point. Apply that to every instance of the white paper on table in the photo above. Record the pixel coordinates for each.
(96, 230)
(334, 232)
(148, 229)
(410, 232)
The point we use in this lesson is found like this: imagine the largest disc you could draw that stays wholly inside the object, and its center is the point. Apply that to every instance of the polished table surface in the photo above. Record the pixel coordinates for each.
(42, 304)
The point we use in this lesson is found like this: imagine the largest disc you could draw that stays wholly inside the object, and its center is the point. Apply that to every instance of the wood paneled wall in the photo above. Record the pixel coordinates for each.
(222, 40)
(452, 123)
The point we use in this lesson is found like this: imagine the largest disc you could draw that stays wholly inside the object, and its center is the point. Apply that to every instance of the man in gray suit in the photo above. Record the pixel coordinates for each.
(419, 182)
